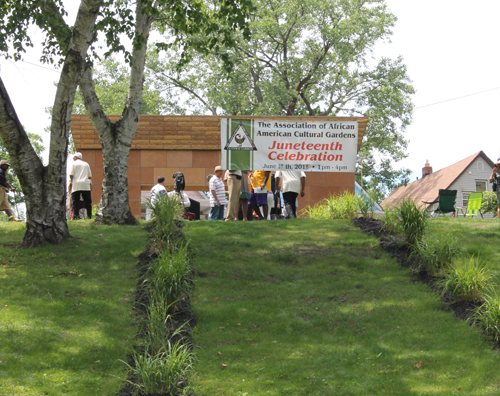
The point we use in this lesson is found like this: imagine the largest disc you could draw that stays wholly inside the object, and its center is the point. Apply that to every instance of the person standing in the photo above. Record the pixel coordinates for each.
(495, 178)
(180, 195)
(233, 179)
(261, 184)
(5, 186)
(217, 195)
(157, 192)
(291, 183)
(80, 185)
(245, 194)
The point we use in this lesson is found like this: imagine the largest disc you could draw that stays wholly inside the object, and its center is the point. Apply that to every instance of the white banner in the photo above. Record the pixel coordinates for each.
(315, 146)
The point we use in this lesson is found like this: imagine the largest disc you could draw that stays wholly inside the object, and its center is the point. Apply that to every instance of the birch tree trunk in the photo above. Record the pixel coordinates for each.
(116, 138)
(44, 187)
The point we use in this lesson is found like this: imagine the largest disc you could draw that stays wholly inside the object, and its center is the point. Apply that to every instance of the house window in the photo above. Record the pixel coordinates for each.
(481, 185)
(465, 199)
(480, 166)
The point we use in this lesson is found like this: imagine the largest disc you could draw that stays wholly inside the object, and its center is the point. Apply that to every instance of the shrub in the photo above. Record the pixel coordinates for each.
(436, 253)
(467, 279)
(489, 204)
(488, 315)
(413, 222)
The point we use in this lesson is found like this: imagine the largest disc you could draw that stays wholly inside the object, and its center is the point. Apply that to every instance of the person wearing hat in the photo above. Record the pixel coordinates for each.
(5, 186)
(217, 195)
(495, 178)
(80, 185)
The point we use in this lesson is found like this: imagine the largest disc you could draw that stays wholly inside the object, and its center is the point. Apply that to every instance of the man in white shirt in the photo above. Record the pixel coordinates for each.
(291, 183)
(217, 195)
(80, 185)
(157, 192)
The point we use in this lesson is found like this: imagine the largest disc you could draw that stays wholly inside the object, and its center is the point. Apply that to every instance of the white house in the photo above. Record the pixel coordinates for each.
(468, 175)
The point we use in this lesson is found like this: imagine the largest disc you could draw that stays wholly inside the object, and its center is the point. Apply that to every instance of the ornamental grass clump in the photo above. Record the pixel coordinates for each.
(436, 253)
(317, 212)
(413, 222)
(467, 280)
(344, 206)
(167, 213)
(165, 372)
(488, 316)
(392, 221)
(169, 276)
(365, 205)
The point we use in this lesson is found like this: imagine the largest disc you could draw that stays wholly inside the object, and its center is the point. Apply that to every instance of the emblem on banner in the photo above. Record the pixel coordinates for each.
(240, 140)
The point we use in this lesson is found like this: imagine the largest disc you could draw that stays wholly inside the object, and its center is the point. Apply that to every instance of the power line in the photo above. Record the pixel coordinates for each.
(416, 108)
(459, 97)
(42, 67)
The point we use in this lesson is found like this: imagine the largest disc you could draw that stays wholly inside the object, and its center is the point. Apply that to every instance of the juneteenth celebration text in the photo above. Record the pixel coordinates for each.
(298, 156)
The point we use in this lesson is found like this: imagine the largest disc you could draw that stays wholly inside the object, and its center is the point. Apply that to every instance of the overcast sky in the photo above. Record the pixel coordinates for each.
(450, 49)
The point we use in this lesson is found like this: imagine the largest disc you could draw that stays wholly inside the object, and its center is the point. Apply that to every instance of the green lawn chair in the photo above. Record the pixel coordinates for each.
(446, 202)
(474, 204)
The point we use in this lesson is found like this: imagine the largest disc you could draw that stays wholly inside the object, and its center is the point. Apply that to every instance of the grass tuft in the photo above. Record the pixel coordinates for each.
(344, 206)
(467, 279)
(167, 213)
(488, 315)
(162, 372)
(413, 222)
(436, 252)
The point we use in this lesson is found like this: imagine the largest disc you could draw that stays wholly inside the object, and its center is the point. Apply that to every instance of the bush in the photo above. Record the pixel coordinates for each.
(467, 279)
(436, 253)
(488, 316)
(413, 222)
(489, 204)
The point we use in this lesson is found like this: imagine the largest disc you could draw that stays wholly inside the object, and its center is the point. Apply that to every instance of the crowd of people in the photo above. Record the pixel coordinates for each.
(255, 194)
(252, 194)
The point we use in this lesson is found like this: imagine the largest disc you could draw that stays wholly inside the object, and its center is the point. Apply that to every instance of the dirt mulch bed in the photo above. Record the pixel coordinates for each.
(397, 249)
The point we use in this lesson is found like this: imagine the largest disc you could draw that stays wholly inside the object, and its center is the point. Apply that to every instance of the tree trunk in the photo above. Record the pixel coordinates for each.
(114, 206)
(45, 205)
(116, 138)
(44, 188)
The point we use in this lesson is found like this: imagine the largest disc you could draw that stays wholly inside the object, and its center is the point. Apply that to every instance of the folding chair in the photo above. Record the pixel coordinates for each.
(446, 202)
(474, 204)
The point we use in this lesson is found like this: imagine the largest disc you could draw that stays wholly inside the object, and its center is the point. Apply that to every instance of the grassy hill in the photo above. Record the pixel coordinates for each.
(299, 307)
(65, 311)
(307, 307)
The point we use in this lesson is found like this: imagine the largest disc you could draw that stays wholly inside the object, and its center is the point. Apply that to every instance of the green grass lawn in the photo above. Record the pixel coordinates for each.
(66, 310)
(479, 237)
(304, 307)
